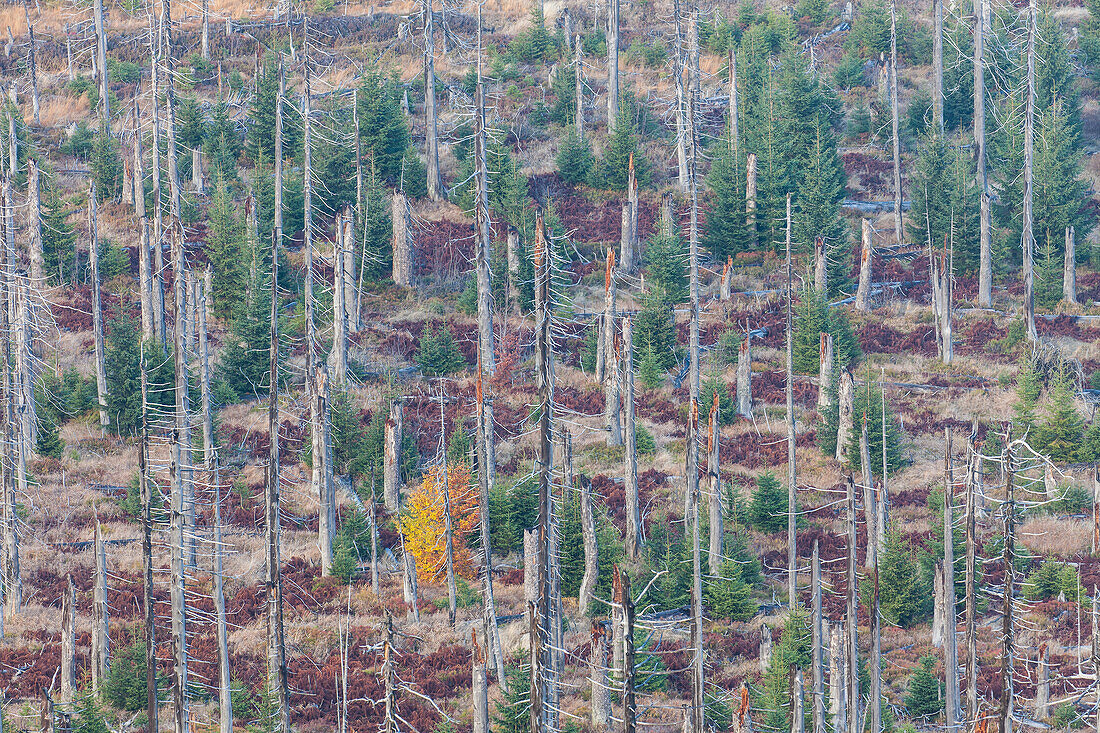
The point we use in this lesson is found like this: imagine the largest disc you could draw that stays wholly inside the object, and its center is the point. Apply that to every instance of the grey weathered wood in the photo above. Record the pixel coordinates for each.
(280, 98)
(875, 658)
(1008, 628)
(825, 372)
(838, 697)
(845, 409)
(578, 77)
(732, 113)
(197, 178)
(726, 286)
(851, 619)
(339, 306)
(160, 329)
(612, 63)
(1028, 235)
(68, 643)
(750, 195)
(630, 458)
(630, 706)
(950, 648)
(479, 682)
(391, 460)
(681, 117)
(628, 240)
(898, 229)
(483, 243)
(202, 308)
(403, 265)
(101, 62)
(97, 307)
(798, 716)
(145, 266)
(389, 704)
(821, 265)
(375, 581)
(598, 662)
(870, 509)
(170, 109)
(1069, 272)
(225, 702)
(985, 267)
(151, 700)
(714, 493)
(32, 69)
(611, 376)
(937, 65)
(431, 135)
(410, 584)
(206, 30)
(971, 619)
(448, 535)
(817, 640)
(101, 638)
(34, 203)
(591, 550)
(792, 485)
(863, 292)
(744, 377)
(1042, 690)
(937, 606)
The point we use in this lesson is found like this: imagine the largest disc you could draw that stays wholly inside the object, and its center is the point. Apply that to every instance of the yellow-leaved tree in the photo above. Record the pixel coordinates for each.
(423, 522)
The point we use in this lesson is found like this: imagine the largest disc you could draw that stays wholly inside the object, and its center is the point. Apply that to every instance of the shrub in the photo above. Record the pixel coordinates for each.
(902, 594)
(923, 699)
(125, 687)
(574, 159)
(730, 597)
(767, 511)
(1050, 580)
(643, 441)
(438, 354)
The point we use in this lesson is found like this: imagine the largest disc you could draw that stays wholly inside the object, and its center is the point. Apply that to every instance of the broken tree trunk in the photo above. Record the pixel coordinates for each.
(845, 410)
(750, 196)
(391, 461)
(628, 239)
(724, 291)
(97, 308)
(1069, 276)
(591, 549)
(630, 457)
(68, 643)
(479, 682)
(851, 619)
(821, 266)
(32, 70)
(1008, 629)
(937, 606)
(101, 63)
(34, 202)
(863, 292)
(838, 698)
(681, 118)
(1042, 690)
(744, 377)
(598, 677)
(825, 372)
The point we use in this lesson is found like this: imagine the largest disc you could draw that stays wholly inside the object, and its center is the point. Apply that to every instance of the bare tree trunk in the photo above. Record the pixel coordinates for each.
(69, 53)
(612, 399)
(435, 179)
(339, 305)
(280, 98)
(591, 550)
(1008, 638)
(1028, 235)
(391, 462)
(97, 307)
(32, 71)
(825, 372)
(876, 654)
(578, 76)
(101, 63)
(630, 457)
(375, 583)
(817, 640)
(170, 106)
(196, 171)
(898, 231)
(863, 292)
(750, 195)
(389, 704)
(852, 622)
(204, 372)
(1069, 277)
(937, 66)
(480, 686)
(1042, 691)
(600, 682)
(821, 265)
(681, 117)
(160, 329)
(145, 267)
(726, 287)
(205, 30)
(798, 716)
(792, 486)
(714, 499)
(483, 255)
(34, 201)
(732, 112)
(985, 268)
(628, 243)
(101, 639)
(612, 64)
(68, 643)
(225, 702)
(870, 559)
(950, 648)
(838, 697)
(937, 606)
(448, 534)
(151, 701)
(630, 706)
(403, 266)
(744, 377)
(971, 589)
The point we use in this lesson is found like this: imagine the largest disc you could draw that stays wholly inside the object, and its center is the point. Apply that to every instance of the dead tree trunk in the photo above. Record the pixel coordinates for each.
(578, 77)
(726, 287)
(205, 30)
(937, 66)
(591, 549)
(628, 240)
(97, 308)
(145, 267)
(863, 292)
(101, 639)
(480, 685)
(630, 458)
(391, 461)
(744, 377)
(68, 643)
(101, 62)
(852, 622)
(612, 64)
(1028, 235)
(225, 702)
(612, 400)
(339, 305)
(600, 682)
(403, 266)
(845, 423)
(681, 117)
(151, 701)
(389, 704)
(750, 195)
(1008, 628)
(821, 266)
(160, 329)
(32, 71)
(630, 706)
(34, 202)
(838, 695)
(817, 640)
(435, 179)
(204, 372)
(985, 267)
(876, 653)
(971, 588)
(448, 535)
(898, 231)
(1069, 276)
(276, 643)
(280, 98)
(170, 106)
(950, 647)
(483, 256)
(714, 499)
(792, 486)
(825, 372)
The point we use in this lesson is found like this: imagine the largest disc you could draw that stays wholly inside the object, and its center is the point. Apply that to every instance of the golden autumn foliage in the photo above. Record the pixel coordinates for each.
(423, 522)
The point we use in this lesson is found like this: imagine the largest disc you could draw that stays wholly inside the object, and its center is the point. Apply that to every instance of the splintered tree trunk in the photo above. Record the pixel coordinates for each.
(435, 179)
(276, 644)
(600, 682)
(821, 266)
(851, 619)
(101, 640)
(151, 701)
(1069, 277)
(97, 308)
(792, 485)
(825, 372)
(1042, 690)
(744, 377)
(628, 239)
(937, 606)
(817, 639)
(630, 457)
(985, 267)
(630, 706)
(68, 643)
(479, 682)
(725, 289)
(863, 293)
(838, 696)
(402, 242)
(1028, 235)
(898, 231)
(612, 63)
(34, 202)
(714, 498)
(798, 717)
(391, 460)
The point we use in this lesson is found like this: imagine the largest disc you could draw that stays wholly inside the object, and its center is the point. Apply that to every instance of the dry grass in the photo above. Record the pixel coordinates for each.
(1054, 536)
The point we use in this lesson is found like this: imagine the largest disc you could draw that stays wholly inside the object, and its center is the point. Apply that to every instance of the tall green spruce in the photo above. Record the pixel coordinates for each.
(726, 233)
(946, 202)
(225, 245)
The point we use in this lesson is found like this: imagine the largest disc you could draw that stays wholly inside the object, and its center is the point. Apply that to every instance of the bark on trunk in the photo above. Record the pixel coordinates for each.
(68, 643)
(1069, 276)
(101, 639)
(937, 65)
(863, 293)
(825, 372)
(598, 677)
(1008, 629)
(480, 686)
(391, 470)
(435, 179)
(985, 267)
(403, 266)
(744, 377)
(97, 308)
(612, 63)
(724, 292)
(225, 702)
(630, 467)
(821, 266)
(1028, 235)
(971, 589)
